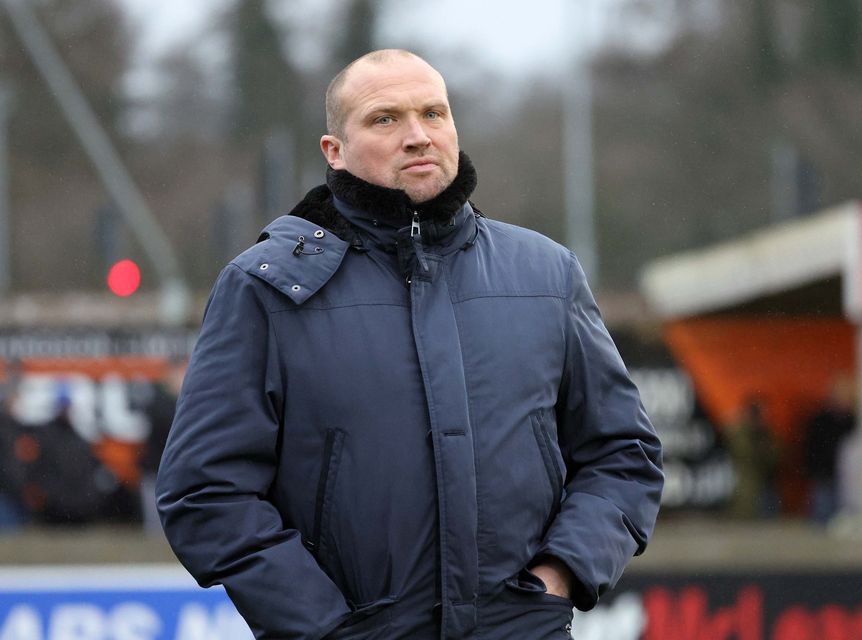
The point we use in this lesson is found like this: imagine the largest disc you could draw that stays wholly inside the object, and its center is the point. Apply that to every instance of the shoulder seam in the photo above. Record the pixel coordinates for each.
(266, 298)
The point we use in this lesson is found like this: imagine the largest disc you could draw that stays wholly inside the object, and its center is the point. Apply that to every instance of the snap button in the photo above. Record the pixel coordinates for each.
(319, 233)
(295, 287)
(264, 266)
(317, 249)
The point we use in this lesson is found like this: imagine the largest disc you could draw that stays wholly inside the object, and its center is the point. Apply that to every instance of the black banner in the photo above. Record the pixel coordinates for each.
(66, 343)
(698, 471)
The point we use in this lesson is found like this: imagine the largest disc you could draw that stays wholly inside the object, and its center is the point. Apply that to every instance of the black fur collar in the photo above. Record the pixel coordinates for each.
(391, 205)
(317, 208)
(394, 206)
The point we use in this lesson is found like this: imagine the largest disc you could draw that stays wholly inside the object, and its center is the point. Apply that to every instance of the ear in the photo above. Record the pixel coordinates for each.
(331, 147)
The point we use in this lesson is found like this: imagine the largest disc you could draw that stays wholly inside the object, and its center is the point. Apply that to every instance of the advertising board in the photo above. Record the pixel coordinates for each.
(129, 602)
(728, 606)
(161, 602)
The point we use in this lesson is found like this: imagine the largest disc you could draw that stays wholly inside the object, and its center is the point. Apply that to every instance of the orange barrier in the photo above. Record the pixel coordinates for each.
(127, 367)
(788, 363)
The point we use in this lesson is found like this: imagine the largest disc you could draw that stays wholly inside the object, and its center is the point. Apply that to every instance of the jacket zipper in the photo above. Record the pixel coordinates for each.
(326, 470)
(543, 440)
(416, 240)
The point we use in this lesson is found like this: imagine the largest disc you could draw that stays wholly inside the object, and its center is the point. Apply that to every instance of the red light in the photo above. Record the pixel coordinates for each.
(124, 278)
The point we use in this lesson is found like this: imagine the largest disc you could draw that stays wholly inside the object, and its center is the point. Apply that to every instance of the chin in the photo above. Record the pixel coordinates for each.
(418, 197)
(425, 192)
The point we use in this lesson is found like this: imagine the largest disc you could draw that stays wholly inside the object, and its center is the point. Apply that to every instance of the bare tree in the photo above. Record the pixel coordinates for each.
(54, 193)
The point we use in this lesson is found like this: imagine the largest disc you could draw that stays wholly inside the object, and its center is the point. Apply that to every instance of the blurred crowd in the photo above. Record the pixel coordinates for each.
(826, 452)
(72, 456)
(75, 452)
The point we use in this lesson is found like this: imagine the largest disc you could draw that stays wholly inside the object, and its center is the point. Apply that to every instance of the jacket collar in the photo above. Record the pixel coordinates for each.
(296, 259)
(393, 207)
(441, 237)
(383, 217)
(374, 203)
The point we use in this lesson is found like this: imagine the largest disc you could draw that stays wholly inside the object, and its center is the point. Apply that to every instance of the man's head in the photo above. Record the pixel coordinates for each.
(389, 123)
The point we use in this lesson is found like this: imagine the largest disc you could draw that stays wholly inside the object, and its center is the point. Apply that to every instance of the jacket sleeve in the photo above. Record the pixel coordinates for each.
(219, 464)
(612, 454)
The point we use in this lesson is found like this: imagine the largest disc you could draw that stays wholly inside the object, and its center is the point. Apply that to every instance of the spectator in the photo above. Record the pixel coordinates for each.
(824, 434)
(850, 474)
(160, 414)
(53, 474)
(755, 455)
(12, 514)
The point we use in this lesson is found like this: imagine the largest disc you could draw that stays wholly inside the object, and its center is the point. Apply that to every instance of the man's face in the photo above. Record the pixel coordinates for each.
(398, 128)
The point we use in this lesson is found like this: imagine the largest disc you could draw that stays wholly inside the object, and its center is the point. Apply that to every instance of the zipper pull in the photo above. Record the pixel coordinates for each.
(416, 238)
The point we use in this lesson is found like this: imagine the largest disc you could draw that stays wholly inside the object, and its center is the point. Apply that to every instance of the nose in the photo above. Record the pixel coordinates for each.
(415, 137)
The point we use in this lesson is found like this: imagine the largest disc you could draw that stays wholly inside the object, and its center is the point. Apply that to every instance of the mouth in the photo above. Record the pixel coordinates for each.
(420, 165)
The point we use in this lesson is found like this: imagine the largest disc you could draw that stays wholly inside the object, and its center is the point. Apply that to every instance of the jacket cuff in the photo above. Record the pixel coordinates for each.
(580, 594)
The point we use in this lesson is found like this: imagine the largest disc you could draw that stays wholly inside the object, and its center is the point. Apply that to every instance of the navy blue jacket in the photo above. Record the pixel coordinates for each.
(357, 456)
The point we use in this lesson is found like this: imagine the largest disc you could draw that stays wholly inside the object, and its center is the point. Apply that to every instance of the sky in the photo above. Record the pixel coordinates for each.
(508, 36)
(515, 38)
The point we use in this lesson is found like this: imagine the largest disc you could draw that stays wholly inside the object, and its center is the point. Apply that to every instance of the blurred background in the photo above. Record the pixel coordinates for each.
(702, 157)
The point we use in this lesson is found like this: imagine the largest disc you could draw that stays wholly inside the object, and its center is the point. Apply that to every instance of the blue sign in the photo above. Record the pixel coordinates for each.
(134, 602)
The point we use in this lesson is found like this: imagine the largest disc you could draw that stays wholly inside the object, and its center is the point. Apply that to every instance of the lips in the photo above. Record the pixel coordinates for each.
(420, 164)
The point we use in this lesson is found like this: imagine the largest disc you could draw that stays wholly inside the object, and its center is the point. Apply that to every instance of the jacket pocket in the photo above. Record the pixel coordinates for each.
(369, 621)
(326, 491)
(531, 586)
(546, 448)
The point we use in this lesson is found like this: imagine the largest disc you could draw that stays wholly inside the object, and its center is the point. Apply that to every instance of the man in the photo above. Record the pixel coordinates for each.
(402, 419)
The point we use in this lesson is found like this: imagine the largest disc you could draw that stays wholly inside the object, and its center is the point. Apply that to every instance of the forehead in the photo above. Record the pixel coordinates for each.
(395, 80)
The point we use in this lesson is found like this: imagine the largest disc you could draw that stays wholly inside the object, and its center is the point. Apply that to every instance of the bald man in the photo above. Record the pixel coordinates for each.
(403, 419)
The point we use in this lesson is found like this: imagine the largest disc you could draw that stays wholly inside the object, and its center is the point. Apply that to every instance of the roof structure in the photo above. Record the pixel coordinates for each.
(796, 266)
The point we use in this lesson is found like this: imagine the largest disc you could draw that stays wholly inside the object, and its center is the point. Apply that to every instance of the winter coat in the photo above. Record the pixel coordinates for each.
(378, 435)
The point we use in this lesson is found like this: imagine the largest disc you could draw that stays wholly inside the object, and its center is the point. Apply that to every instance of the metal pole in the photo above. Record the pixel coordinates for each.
(858, 374)
(109, 166)
(783, 182)
(279, 173)
(578, 141)
(5, 242)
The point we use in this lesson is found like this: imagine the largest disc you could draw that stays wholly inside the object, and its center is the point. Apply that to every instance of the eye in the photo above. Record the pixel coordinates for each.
(432, 115)
(383, 120)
